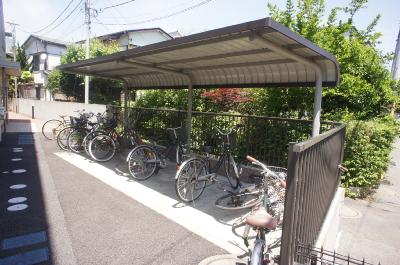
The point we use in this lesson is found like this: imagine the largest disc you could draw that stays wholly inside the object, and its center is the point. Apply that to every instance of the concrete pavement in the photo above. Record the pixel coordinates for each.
(371, 229)
(82, 220)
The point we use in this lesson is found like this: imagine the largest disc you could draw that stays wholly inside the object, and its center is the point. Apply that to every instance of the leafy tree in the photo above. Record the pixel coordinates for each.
(366, 88)
(26, 77)
(101, 90)
(225, 99)
(23, 59)
(53, 81)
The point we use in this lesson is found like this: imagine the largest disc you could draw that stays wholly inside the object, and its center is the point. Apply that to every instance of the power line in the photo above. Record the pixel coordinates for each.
(160, 17)
(120, 4)
(51, 23)
(62, 21)
(146, 14)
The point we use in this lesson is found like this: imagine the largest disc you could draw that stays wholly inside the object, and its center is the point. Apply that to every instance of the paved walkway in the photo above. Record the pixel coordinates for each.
(68, 215)
(371, 229)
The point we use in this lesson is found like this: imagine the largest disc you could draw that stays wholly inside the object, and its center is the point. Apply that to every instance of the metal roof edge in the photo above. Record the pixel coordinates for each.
(269, 22)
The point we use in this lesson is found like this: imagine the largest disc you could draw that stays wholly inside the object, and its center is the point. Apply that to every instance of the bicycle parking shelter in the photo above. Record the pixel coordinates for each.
(260, 53)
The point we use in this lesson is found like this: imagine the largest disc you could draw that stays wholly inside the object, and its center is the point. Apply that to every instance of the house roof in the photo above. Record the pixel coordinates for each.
(46, 40)
(117, 35)
(258, 53)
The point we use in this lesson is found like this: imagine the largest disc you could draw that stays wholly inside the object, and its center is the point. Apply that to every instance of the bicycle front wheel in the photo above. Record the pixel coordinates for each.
(239, 201)
(231, 171)
(51, 128)
(75, 140)
(62, 137)
(102, 148)
(257, 255)
(189, 185)
(142, 162)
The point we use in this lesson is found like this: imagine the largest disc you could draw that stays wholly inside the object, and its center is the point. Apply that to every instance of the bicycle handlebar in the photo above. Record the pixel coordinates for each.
(235, 128)
(267, 170)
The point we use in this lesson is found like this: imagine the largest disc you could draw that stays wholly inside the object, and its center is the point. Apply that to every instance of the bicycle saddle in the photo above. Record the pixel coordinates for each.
(262, 219)
(63, 116)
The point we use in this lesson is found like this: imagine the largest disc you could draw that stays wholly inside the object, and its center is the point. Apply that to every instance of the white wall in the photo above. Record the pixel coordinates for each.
(45, 110)
(142, 38)
(55, 49)
(53, 61)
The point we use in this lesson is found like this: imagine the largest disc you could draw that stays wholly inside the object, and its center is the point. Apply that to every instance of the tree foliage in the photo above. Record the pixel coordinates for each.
(366, 87)
(101, 90)
(22, 59)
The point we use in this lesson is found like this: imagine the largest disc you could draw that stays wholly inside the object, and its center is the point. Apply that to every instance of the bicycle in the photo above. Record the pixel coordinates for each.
(145, 160)
(103, 146)
(52, 127)
(196, 172)
(81, 122)
(252, 195)
(267, 217)
(76, 139)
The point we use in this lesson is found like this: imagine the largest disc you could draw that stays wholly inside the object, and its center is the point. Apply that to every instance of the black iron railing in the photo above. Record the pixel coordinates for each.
(320, 256)
(312, 181)
(263, 137)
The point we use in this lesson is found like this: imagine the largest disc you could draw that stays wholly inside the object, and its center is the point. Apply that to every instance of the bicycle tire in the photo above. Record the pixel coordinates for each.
(75, 140)
(188, 174)
(257, 255)
(142, 162)
(239, 201)
(90, 136)
(233, 177)
(62, 137)
(102, 148)
(51, 128)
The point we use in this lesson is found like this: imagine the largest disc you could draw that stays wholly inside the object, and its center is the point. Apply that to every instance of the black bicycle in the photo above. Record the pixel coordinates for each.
(145, 160)
(196, 172)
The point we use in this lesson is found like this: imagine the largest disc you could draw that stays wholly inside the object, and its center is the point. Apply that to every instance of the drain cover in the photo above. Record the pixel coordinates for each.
(223, 260)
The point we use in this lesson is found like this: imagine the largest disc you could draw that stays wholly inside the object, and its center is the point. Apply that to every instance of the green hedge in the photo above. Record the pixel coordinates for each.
(366, 155)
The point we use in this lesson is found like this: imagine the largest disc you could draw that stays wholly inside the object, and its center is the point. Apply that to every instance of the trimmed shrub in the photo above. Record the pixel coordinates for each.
(366, 155)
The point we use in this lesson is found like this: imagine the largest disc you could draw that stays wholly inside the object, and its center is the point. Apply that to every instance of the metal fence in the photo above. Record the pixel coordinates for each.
(312, 181)
(263, 137)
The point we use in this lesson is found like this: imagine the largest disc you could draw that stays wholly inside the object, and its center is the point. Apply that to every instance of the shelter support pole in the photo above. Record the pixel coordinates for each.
(317, 104)
(189, 113)
(126, 99)
(318, 73)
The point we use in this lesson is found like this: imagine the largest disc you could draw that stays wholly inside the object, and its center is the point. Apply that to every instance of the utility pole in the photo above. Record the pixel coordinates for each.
(396, 60)
(87, 44)
(14, 49)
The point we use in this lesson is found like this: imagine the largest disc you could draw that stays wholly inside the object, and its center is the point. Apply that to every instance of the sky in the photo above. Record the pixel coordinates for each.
(200, 15)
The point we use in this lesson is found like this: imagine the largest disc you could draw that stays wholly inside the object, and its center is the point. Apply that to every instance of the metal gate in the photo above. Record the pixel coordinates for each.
(312, 181)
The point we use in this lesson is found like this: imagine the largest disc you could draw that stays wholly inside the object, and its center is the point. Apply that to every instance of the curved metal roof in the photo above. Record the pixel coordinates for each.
(259, 53)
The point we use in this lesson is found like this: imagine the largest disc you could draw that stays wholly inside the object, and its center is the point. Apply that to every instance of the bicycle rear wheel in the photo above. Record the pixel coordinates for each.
(231, 171)
(239, 201)
(62, 137)
(102, 148)
(142, 162)
(89, 137)
(188, 187)
(75, 140)
(51, 128)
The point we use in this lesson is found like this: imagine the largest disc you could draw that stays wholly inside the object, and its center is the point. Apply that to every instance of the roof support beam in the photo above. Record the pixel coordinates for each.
(155, 68)
(318, 74)
(216, 56)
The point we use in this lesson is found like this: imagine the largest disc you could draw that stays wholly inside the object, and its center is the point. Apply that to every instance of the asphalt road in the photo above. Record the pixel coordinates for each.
(85, 221)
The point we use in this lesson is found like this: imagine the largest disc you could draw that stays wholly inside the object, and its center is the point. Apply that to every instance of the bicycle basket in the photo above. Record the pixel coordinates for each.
(220, 139)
